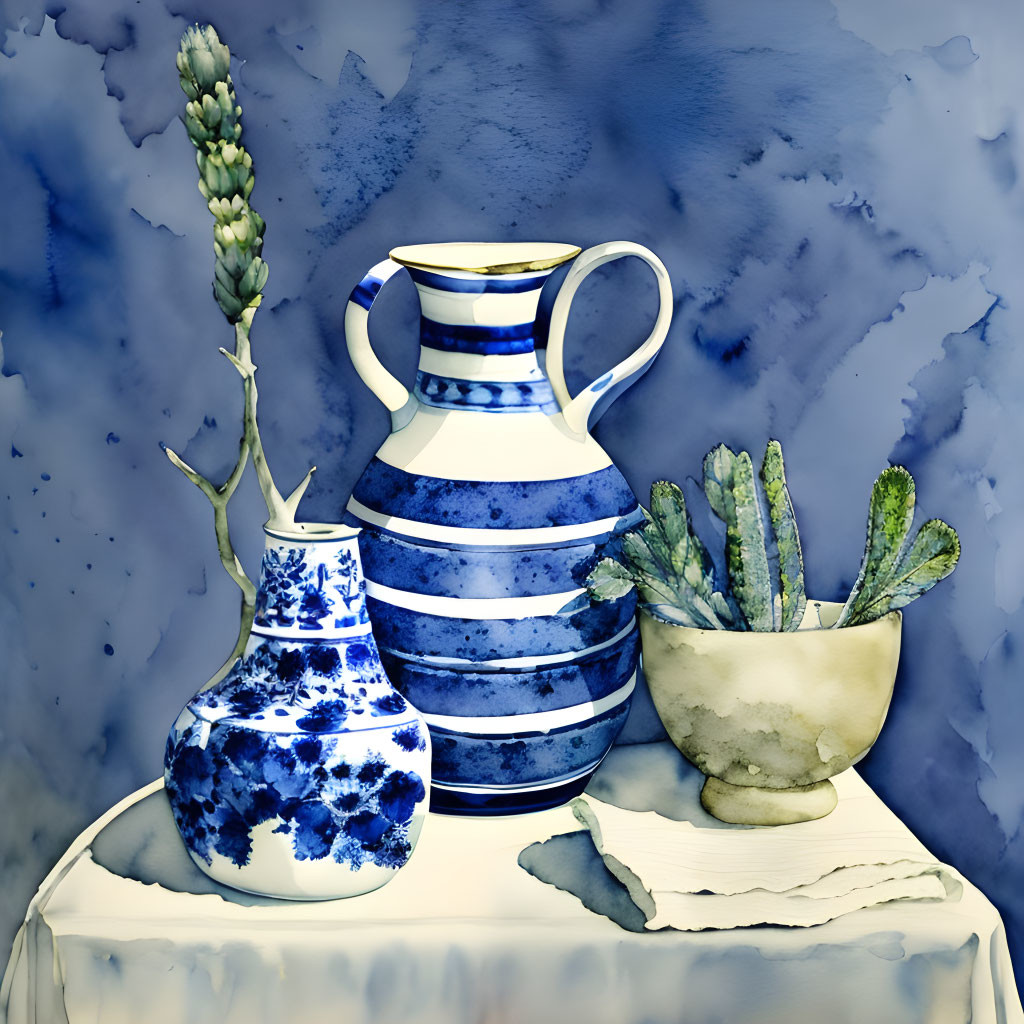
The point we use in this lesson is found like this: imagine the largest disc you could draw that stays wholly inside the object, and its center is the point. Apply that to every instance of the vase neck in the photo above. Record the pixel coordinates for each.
(311, 586)
(478, 342)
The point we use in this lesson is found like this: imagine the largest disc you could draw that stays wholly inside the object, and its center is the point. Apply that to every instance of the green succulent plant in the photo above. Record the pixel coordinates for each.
(675, 577)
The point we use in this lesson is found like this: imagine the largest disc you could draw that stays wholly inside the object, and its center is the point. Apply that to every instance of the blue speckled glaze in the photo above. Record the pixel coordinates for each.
(533, 539)
(527, 757)
(434, 688)
(474, 571)
(402, 629)
(495, 504)
(305, 733)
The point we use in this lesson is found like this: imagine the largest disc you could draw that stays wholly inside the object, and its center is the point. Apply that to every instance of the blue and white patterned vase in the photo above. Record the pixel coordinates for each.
(303, 773)
(482, 515)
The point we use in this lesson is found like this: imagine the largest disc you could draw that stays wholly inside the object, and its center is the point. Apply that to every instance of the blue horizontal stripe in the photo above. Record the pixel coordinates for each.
(474, 572)
(298, 537)
(456, 692)
(524, 758)
(485, 396)
(479, 339)
(548, 409)
(366, 291)
(482, 805)
(402, 630)
(499, 505)
(624, 523)
(480, 285)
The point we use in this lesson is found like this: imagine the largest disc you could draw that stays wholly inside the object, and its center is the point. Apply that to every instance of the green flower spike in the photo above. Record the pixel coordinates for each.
(212, 119)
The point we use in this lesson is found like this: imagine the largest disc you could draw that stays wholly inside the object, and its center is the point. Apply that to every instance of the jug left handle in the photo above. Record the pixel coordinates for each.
(380, 381)
(583, 411)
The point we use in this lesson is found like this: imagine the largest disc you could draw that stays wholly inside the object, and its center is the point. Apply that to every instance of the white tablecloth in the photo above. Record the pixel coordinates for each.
(126, 929)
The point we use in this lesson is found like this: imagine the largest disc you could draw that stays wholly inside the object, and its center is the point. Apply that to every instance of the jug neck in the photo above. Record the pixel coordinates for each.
(311, 584)
(477, 342)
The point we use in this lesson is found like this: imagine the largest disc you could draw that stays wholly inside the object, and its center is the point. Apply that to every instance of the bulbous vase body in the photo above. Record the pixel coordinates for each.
(303, 773)
(482, 515)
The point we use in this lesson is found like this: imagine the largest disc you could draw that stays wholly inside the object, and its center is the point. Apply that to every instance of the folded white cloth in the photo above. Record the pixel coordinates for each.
(690, 878)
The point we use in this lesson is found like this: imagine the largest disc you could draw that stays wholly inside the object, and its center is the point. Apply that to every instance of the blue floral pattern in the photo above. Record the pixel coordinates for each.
(310, 588)
(304, 734)
(315, 685)
(356, 811)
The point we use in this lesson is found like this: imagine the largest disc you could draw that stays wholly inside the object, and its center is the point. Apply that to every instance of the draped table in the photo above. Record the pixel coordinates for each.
(126, 929)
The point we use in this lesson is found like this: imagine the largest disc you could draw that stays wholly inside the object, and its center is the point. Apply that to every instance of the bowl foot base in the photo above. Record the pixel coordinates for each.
(748, 805)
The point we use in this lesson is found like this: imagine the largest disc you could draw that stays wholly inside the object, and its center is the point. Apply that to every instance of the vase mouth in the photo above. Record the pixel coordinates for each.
(819, 617)
(485, 257)
(312, 532)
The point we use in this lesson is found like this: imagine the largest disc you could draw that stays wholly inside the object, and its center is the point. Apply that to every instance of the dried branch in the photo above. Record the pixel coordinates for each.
(219, 498)
(281, 510)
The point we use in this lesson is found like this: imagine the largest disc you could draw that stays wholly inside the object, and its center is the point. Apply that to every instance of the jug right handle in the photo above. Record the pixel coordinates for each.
(583, 411)
(371, 370)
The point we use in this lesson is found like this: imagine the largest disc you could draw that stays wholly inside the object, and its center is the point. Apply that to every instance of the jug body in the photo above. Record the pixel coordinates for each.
(482, 515)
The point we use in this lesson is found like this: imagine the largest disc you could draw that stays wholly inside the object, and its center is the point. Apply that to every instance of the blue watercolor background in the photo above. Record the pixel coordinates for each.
(834, 188)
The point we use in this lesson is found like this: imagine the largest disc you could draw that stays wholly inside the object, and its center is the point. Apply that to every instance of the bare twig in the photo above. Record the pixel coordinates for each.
(281, 510)
(219, 498)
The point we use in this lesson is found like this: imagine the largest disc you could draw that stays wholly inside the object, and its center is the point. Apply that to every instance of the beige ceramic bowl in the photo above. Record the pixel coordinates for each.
(770, 717)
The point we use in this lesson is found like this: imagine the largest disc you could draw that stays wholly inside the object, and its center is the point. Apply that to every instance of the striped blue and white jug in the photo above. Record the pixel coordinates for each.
(482, 514)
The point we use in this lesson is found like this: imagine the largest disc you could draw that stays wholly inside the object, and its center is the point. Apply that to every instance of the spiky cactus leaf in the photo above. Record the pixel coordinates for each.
(932, 557)
(638, 552)
(668, 511)
(671, 614)
(678, 603)
(729, 487)
(688, 558)
(674, 569)
(892, 511)
(726, 613)
(787, 538)
(681, 616)
(667, 564)
(609, 580)
(890, 514)
(653, 584)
